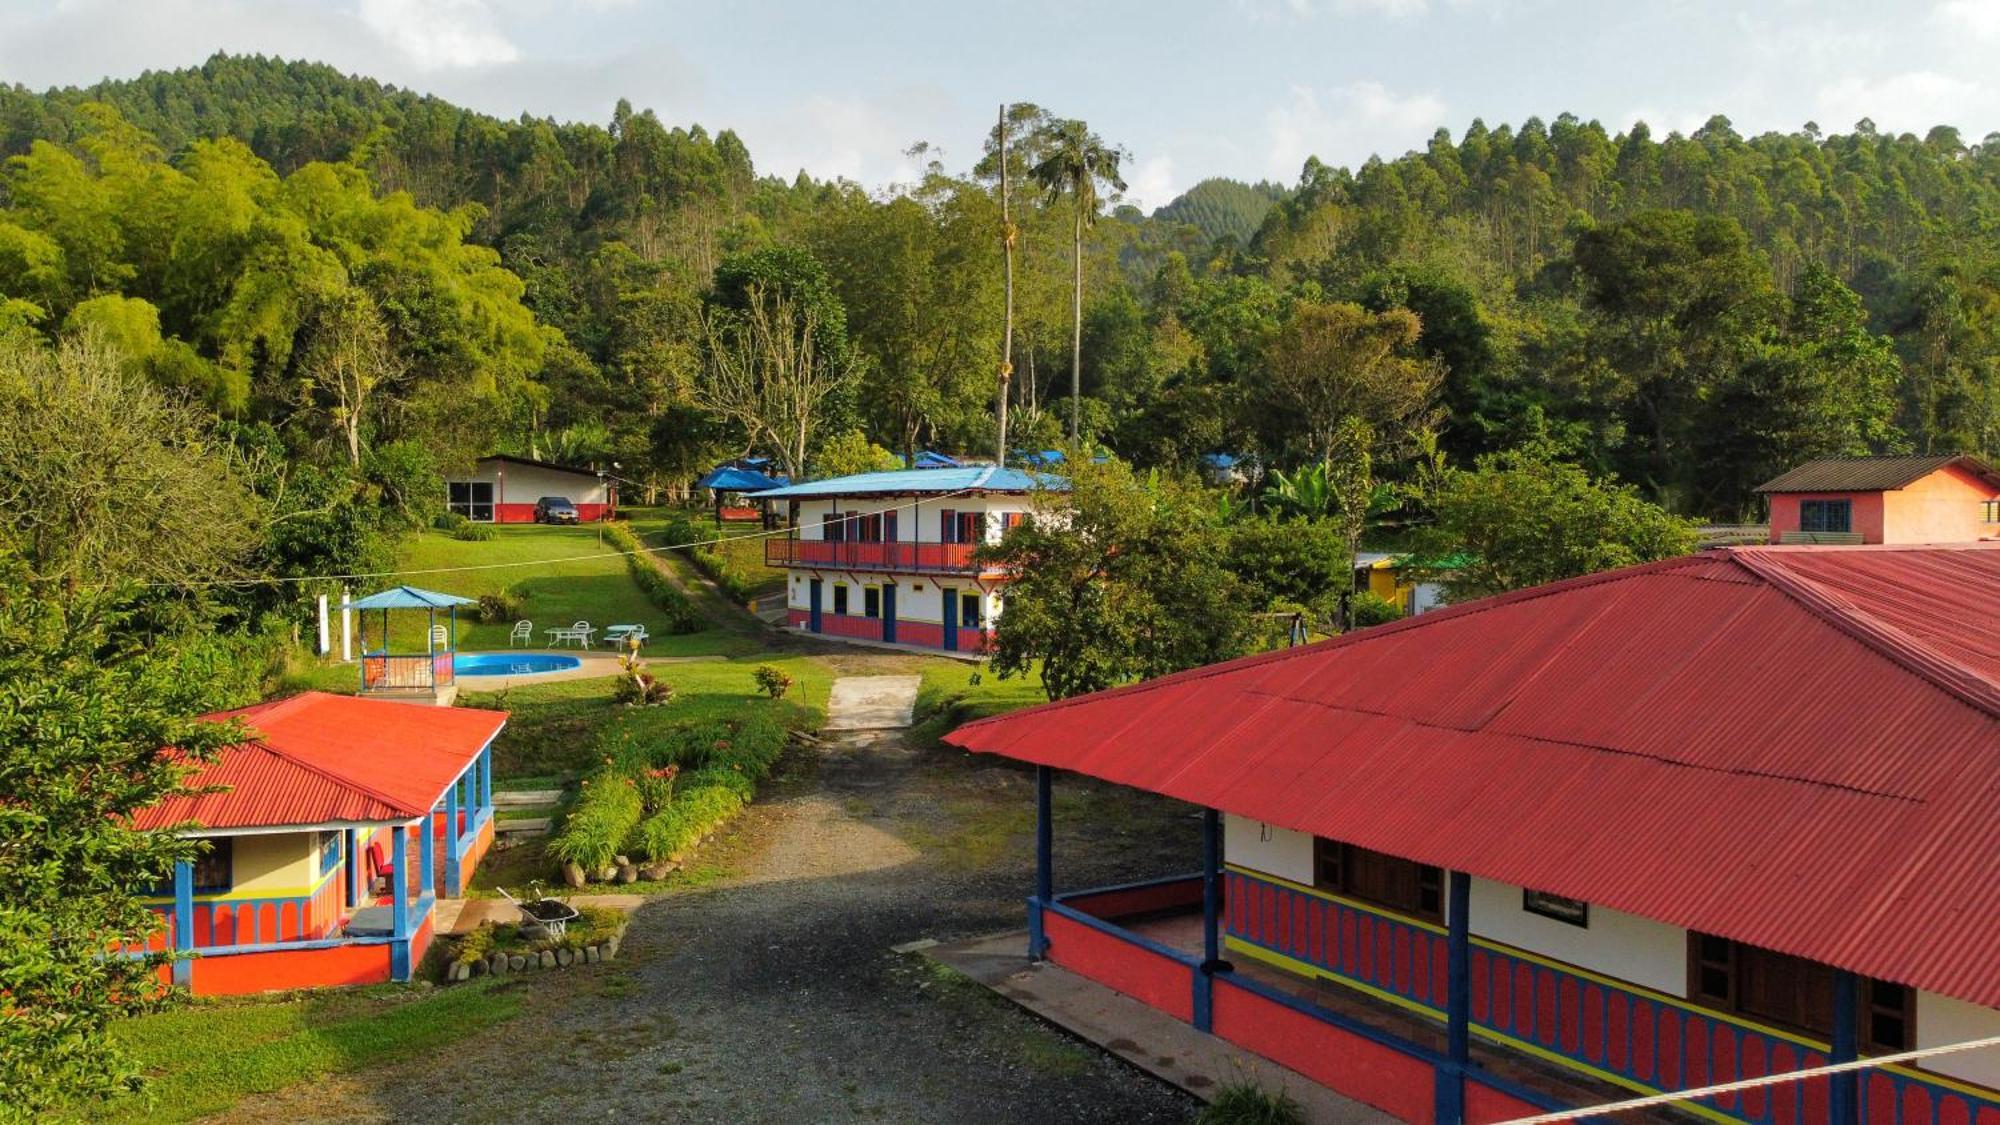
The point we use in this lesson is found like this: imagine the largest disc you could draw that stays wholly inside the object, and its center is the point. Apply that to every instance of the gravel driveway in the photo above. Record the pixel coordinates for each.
(772, 995)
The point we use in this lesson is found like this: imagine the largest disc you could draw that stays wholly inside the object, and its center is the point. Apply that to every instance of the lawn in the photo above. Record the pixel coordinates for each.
(204, 1057)
(742, 546)
(954, 693)
(558, 574)
(553, 726)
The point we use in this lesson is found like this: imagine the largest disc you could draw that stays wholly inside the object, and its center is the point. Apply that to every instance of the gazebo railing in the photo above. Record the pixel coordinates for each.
(411, 672)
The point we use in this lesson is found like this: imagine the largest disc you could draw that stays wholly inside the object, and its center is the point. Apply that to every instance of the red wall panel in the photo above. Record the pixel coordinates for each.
(1358, 1067)
(1157, 981)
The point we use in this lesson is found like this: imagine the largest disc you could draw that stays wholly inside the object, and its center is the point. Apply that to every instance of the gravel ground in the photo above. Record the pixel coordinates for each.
(772, 995)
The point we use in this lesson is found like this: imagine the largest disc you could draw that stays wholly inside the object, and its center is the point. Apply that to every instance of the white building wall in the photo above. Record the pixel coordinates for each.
(1263, 847)
(917, 598)
(916, 522)
(1619, 945)
(1942, 1020)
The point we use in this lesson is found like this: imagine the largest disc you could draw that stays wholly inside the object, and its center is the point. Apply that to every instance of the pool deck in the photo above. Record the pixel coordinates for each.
(595, 665)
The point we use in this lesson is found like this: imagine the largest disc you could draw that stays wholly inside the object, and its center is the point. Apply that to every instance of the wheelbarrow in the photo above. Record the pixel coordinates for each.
(551, 915)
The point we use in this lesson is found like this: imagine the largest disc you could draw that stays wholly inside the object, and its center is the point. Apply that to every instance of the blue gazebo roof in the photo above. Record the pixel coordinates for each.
(931, 460)
(411, 597)
(918, 482)
(730, 478)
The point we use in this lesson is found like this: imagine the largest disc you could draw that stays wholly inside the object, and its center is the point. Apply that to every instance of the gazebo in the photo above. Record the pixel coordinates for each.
(429, 671)
(725, 479)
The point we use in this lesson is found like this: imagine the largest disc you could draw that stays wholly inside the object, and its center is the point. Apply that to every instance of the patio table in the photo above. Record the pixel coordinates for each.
(567, 633)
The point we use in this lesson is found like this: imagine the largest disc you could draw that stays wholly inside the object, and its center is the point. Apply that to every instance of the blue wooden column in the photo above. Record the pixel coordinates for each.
(1458, 1000)
(427, 851)
(350, 845)
(184, 923)
(1843, 1105)
(1211, 920)
(1038, 942)
(451, 834)
(399, 898)
(486, 777)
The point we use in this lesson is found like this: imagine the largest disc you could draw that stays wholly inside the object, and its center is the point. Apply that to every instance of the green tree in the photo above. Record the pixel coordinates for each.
(1122, 577)
(1521, 518)
(1077, 163)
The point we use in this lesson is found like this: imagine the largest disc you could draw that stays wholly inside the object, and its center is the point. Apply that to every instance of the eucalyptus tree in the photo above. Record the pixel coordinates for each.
(1077, 164)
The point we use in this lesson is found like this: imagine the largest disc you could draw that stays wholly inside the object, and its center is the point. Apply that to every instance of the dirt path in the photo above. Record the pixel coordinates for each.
(773, 995)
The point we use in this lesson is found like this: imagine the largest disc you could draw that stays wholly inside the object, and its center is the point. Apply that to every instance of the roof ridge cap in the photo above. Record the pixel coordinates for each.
(1887, 640)
(1276, 656)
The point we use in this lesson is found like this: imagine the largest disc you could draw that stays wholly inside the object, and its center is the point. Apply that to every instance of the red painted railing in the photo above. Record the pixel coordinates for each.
(1656, 1041)
(871, 556)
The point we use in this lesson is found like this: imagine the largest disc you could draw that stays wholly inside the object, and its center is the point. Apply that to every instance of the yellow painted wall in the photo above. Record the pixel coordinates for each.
(285, 863)
(1943, 507)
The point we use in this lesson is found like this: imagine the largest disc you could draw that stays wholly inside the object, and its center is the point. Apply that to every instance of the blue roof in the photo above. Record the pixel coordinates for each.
(410, 597)
(729, 478)
(966, 478)
(1218, 460)
(930, 460)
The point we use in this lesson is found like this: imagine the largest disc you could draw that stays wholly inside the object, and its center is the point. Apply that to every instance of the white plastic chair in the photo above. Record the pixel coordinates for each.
(524, 632)
(440, 638)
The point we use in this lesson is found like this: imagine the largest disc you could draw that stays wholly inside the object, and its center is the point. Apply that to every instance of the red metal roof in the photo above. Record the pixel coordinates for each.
(317, 758)
(1793, 747)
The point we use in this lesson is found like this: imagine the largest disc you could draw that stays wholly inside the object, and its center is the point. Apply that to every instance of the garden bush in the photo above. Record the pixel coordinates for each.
(641, 687)
(674, 605)
(599, 822)
(472, 532)
(731, 780)
(693, 814)
(772, 681)
(449, 521)
(500, 607)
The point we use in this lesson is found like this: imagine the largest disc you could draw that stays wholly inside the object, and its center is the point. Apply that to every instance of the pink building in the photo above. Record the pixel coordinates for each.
(1937, 499)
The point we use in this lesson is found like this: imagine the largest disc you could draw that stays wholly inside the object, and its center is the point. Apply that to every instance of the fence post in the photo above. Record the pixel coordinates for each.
(1038, 942)
(1843, 1096)
(1458, 1001)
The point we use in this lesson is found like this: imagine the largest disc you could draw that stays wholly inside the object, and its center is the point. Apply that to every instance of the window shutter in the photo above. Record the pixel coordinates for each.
(948, 526)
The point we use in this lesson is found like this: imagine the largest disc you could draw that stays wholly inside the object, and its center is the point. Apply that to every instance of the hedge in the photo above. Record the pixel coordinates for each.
(725, 779)
(694, 813)
(666, 597)
(599, 822)
(709, 561)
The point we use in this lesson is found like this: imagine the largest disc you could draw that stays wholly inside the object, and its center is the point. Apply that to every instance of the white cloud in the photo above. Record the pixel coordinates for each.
(1152, 183)
(864, 139)
(440, 34)
(1346, 125)
(1977, 18)
(1910, 102)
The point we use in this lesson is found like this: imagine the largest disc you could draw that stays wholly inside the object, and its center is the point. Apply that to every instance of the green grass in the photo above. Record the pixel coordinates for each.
(203, 1058)
(743, 547)
(590, 583)
(949, 697)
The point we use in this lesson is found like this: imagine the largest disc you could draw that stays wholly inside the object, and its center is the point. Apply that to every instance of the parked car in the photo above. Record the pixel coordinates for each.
(555, 509)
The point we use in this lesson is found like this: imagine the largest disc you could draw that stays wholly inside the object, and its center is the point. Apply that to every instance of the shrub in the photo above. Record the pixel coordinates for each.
(1366, 609)
(679, 612)
(472, 532)
(1240, 1103)
(500, 607)
(599, 822)
(449, 521)
(772, 681)
(656, 787)
(642, 688)
(693, 814)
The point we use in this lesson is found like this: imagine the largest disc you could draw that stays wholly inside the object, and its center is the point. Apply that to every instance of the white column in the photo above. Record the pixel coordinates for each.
(346, 626)
(325, 645)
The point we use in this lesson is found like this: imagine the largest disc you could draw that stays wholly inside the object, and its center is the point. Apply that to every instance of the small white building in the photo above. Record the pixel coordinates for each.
(888, 556)
(505, 489)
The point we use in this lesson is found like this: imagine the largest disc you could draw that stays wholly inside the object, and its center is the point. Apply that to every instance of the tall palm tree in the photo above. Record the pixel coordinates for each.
(1078, 164)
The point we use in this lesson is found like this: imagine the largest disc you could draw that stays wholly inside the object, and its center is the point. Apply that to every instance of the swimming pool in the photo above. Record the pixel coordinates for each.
(512, 663)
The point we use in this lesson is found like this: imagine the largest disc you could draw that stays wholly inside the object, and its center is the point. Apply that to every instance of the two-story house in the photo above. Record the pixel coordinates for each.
(888, 556)
(1846, 500)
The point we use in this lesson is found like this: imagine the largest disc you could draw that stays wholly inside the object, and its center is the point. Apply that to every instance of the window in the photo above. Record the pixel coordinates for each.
(968, 610)
(868, 529)
(1398, 884)
(960, 527)
(212, 872)
(832, 528)
(1989, 511)
(329, 851)
(1782, 989)
(871, 601)
(1575, 911)
(840, 597)
(472, 499)
(1826, 515)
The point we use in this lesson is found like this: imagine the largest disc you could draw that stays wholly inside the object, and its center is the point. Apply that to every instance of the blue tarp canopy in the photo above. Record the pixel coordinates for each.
(930, 460)
(1218, 460)
(729, 478)
(919, 482)
(410, 597)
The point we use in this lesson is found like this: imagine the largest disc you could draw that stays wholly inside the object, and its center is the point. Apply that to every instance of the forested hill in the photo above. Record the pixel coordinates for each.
(1220, 208)
(1690, 312)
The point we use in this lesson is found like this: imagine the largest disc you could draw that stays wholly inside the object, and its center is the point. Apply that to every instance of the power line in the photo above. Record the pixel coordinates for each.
(401, 573)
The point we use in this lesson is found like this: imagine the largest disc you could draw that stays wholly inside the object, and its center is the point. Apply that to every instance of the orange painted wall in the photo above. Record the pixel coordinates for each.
(1944, 507)
(240, 974)
(1867, 512)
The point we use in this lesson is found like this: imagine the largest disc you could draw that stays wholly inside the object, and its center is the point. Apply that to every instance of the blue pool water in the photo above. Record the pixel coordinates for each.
(512, 663)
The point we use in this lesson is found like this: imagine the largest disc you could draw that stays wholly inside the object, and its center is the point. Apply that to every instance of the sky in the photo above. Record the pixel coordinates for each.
(1241, 88)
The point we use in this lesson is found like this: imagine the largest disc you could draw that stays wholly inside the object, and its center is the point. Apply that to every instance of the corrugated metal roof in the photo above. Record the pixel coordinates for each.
(1793, 747)
(730, 478)
(1872, 474)
(318, 758)
(411, 597)
(965, 478)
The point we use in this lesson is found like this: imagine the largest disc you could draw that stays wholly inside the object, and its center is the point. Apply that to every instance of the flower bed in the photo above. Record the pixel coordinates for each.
(497, 948)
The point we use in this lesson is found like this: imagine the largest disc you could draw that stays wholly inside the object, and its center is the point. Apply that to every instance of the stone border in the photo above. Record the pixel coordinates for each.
(500, 964)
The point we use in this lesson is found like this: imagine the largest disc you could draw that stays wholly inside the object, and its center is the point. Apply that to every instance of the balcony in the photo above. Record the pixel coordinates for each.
(913, 558)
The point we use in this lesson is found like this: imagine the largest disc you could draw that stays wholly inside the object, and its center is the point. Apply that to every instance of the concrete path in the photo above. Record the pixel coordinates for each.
(872, 702)
(1138, 1033)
